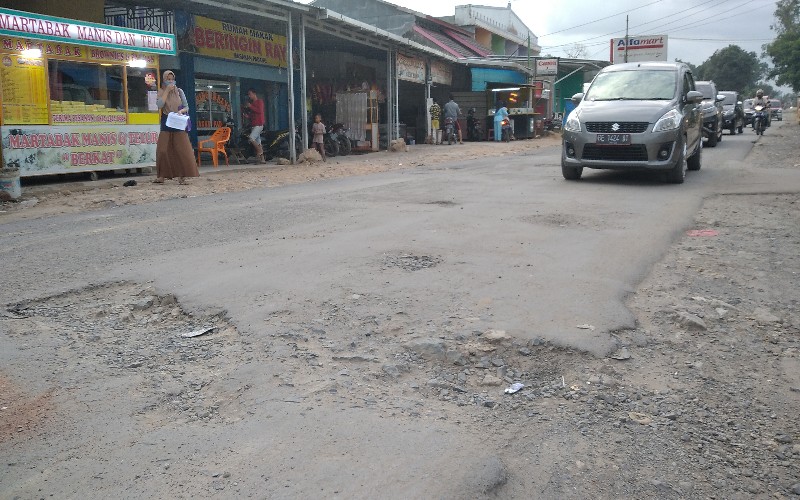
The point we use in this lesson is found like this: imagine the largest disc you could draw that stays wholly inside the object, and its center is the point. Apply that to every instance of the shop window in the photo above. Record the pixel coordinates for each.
(142, 90)
(99, 86)
(213, 103)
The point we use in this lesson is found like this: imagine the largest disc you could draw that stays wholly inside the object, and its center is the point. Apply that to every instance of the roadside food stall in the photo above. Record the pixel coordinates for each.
(525, 104)
(77, 96)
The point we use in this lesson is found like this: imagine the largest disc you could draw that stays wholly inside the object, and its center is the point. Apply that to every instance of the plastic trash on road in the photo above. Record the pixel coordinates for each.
(197, 333)
(514, 388)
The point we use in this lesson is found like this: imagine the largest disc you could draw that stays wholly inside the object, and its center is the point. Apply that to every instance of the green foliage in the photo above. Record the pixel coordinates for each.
(691, 67)
(785, 49)
(732, 68)
(768, 89)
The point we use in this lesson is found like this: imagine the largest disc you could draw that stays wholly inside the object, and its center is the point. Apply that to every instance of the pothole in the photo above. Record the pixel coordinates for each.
(408, 262)
(136, 336)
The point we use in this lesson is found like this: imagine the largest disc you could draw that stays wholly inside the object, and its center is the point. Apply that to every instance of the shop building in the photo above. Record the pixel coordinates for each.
(77, 96)
(482, 46)
(301, 59)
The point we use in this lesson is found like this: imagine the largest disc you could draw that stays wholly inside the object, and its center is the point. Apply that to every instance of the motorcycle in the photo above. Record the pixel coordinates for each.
(552, 124)
(507, 133)
(329, 141)
(449, 131)
(473, 126)
(275, 143)
(339, 133)
(759, 119)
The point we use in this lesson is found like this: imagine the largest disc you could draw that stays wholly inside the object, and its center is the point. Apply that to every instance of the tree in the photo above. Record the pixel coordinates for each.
(785, 49)
(577, 51)
(691, 66)
(732, 68)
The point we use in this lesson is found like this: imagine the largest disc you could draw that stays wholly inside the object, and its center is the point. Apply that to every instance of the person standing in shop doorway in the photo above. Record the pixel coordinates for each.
(318, 129)
(255, 113)
(436, 114)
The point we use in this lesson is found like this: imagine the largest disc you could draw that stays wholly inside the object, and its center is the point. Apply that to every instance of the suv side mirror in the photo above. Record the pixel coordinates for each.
(577, 98)
(694, 96)
(719, 98)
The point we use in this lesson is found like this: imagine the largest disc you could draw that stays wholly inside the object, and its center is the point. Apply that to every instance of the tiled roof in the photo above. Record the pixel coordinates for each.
(451, 43)
(470, 43)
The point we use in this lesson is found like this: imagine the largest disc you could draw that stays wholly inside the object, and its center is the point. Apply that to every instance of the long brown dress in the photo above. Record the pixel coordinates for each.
(174, 153)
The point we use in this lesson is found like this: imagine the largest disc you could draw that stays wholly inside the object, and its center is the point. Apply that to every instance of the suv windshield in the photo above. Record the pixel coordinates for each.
(633, 85)
(706, 89)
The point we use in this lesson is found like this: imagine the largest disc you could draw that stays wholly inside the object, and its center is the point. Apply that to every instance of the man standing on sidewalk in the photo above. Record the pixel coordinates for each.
(255, 113)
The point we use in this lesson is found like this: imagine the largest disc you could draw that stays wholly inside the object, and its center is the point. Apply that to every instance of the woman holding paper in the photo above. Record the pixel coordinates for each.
(174, 153)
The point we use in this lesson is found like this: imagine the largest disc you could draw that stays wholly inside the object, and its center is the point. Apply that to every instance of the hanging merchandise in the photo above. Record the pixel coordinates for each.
(351, 111)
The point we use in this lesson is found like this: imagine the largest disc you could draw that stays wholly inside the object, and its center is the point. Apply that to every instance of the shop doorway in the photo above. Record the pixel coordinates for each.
(213, 105)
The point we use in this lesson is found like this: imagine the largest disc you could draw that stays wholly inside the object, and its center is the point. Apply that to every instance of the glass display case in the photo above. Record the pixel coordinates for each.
(213, 103)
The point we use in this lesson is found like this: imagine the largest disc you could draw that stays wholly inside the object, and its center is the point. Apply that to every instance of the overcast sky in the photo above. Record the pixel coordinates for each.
(696, 28)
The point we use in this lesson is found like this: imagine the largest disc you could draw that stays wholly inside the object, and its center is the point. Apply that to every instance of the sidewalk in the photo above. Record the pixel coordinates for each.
(416, 155)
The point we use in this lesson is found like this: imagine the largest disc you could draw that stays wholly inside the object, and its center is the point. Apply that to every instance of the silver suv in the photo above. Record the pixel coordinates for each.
(635, 116)
(713, 112)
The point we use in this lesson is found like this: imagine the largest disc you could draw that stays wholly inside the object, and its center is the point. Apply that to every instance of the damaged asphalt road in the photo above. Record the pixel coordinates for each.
(365, 330)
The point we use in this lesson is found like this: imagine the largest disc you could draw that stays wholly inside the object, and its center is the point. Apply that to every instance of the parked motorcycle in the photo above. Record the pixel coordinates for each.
(274, 142)
(552, 124)
(473, 126)
(329, 142)
(760, 119)
(338, 132)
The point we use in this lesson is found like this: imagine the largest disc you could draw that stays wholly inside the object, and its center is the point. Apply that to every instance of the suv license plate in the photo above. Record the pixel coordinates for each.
(613, 139)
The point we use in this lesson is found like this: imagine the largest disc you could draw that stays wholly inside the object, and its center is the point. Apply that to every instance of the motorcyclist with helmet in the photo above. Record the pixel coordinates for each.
(762, 100)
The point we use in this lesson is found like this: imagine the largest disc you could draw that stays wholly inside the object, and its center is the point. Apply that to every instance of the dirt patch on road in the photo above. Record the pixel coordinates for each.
(62, 196)
(21, 412)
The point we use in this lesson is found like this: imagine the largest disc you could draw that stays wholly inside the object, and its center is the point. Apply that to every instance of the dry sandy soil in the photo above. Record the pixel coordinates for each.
(701, 402)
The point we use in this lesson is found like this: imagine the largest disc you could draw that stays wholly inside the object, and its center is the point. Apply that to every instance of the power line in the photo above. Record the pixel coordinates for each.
(682, 13)
(665, 27)
(603, 19)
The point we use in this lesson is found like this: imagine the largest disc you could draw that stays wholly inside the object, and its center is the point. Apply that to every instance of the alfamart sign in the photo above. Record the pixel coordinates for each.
(57, 29)
(639, 49)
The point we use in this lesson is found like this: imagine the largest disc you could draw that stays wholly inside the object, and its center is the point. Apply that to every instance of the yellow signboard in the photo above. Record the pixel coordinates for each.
(68, 51)
(22, 88)
(230, 41)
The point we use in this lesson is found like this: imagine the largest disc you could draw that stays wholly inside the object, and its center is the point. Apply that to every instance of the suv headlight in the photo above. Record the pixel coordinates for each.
(573, 123)
(670, 121)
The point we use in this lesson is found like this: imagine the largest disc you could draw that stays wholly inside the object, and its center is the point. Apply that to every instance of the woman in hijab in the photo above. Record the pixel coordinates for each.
(174, 153)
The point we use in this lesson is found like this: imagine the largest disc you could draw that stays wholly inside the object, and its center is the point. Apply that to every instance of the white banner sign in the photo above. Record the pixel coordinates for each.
(547, 66)
(639, 49)
(42, 149)
(410, 69)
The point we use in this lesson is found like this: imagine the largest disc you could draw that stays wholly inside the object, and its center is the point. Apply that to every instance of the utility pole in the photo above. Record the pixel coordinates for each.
(626, 38)
(529, 53)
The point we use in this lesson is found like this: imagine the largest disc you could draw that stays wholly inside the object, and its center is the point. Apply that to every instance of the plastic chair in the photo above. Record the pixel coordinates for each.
(215, 145)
